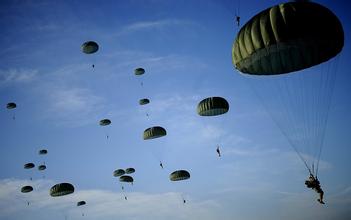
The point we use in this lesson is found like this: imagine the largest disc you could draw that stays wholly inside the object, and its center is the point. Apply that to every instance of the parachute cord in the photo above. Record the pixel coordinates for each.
(281, 129)
(333, 79)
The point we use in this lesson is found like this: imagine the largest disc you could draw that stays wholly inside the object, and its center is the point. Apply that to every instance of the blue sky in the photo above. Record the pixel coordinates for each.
(185, 48)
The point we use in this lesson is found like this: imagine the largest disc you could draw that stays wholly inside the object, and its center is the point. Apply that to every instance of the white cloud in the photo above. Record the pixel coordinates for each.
(147, 25)
(17, 75)
(101, 204)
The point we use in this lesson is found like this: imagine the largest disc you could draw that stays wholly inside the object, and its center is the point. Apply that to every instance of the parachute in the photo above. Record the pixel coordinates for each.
(42, 167)
(126, 179)
(130, 170)
(179, 175)
(61, 189)
(80, 203)
(29, 165)
(11, 105)
(154, 132)
(118, 173)
(105, 122)
(26, 189)
(139, 71)
(90, 47)
(212, 106)
(144, 101)
(43, 152)
(286, 38)
(274, 44)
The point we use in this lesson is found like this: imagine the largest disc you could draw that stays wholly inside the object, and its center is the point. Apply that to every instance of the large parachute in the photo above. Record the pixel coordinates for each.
(11, 105)
(118, 172)
(154, 132)
(29, 165)
(26, 189)
(80, 203)
(105, 122)
(179, 175)
(212, 106)
(126, 179)
(130, 170)
(286, 38)
(90, 47)
(144, 101)
(272, 45)
(42, 167)
(61, 189)
(43, 152)
(139, 71)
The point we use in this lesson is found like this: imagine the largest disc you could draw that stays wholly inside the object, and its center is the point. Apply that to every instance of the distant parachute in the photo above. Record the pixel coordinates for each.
(43, 152)
(11, 105)
(212, 106)
(139, 71)
(42, 167)
(61, 189)
(154, 132)
(130, 170)
(80, 203)
(179, 175)
(26, 189)
(118, 173)
(287, 37)
(144, 101)
(126, 179)
(90, 47)
(105, 122)
(29, 165)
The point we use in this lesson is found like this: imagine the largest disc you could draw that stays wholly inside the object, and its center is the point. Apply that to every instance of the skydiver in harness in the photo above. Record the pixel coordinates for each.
(314, 184)
(218, 151)
(161, 165)
(237, 18)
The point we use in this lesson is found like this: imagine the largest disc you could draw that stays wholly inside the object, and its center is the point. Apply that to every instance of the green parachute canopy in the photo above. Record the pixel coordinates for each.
(179, 175)
(212, 106)
(29, 165)
(154, 132)
(11, 105)
(43, 151)
(80, 203)
(26, 189)
(130, 170)
(42, 167)
(126, 179)
(144, 101)
(139, 71)
(105, 122)
(118, 173)
(90, 47)
(287, 37)
(61, 189)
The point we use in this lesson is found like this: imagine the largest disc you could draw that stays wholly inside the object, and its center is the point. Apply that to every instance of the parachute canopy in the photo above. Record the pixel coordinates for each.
(29, 165)
(43, 151)
(287, 37)
(11, 105)
(61, 189)
(154, 132)
(118, 172)
(130, 170)
(26, 189)
(179, 175)
(105, 122)
(90, 47)
(212, 106)
(42, 167)
(81, 203)
(126, 179)
(139, 71)
(144, 101)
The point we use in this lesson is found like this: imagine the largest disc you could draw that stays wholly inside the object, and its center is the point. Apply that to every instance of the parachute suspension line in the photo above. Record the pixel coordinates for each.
(289, 118)
(332, 73)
